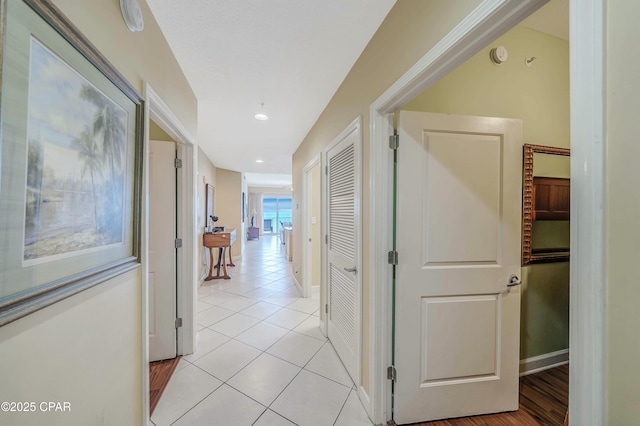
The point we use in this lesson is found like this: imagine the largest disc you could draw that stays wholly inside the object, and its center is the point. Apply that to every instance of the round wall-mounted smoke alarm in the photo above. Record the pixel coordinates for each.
(498, 55)
(132, 14)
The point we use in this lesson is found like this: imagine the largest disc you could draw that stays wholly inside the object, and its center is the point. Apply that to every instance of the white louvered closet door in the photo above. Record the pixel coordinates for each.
(343, 199)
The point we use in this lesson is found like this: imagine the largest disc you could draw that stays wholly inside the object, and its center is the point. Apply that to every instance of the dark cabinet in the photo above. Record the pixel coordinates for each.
(551, 197)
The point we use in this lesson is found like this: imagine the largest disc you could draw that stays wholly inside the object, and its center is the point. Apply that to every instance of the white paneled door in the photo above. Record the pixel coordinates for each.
(162, 250)
(343, 257)
(457, 318)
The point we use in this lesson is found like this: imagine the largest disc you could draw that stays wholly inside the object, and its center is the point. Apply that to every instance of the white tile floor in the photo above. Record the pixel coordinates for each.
(261, 358)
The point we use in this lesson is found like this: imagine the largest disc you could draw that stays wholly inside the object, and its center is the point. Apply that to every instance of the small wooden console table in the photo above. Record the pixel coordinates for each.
(223, 241)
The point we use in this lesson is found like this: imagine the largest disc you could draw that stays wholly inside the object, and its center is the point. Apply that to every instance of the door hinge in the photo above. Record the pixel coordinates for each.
(326, 170)
(393, 257)
(391, 373)
(326, 308)
(177, 163)
(178, 243)
(178, 322)
(394, 141)
(326, 239)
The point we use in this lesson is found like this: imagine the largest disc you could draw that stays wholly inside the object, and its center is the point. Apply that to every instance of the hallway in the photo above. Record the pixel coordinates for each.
(261, 358)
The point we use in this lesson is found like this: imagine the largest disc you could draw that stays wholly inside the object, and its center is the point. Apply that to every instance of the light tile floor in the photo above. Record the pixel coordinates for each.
(261, 358)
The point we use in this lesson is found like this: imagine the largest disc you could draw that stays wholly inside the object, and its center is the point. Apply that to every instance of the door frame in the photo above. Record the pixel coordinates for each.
(157, 110)
(487, 22)
(354, 126)
(306, 231)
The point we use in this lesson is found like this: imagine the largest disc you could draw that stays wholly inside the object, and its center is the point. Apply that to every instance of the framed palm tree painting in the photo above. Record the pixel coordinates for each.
(71, 175)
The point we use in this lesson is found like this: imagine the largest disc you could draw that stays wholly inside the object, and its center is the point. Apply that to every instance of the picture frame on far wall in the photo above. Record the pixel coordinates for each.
(210, 193)
(70, 162)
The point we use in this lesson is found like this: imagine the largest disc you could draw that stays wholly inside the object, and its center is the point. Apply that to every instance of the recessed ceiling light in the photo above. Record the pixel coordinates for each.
(259, 161)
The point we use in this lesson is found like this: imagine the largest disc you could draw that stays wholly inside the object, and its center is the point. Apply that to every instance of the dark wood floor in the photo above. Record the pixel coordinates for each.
(544, 398)
(159, 374)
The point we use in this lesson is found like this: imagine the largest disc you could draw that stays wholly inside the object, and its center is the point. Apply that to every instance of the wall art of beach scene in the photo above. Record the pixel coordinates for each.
(76, 166)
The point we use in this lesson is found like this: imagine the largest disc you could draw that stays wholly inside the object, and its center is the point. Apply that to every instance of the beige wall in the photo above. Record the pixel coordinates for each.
(157, 134)
(87, 349)
(206, 175)
(539, 96)
(622, 234)
(228, 206)
(410, 30)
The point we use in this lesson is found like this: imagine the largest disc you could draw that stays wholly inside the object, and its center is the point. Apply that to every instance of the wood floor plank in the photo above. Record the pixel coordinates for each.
(159, 374)
(545, 395)
(544, 398)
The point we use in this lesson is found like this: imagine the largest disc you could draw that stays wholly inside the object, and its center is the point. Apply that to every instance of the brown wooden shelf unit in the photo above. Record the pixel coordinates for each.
(551, 198)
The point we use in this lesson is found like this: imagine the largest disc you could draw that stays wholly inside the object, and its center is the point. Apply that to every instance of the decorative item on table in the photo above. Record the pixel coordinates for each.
(210, 226)
(214, 219)
(254, 213)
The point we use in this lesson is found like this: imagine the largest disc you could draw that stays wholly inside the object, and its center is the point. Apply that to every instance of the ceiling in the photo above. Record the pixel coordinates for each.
(291, 55)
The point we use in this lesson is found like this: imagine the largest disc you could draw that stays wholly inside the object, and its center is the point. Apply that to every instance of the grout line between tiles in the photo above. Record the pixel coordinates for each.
(252, 277)
(342, 408)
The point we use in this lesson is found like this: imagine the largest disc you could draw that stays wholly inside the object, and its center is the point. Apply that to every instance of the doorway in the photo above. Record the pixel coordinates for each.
(312, 229)
(457, 295)
(158, 112)
(162, 273)
(436, 64)
(343, 245)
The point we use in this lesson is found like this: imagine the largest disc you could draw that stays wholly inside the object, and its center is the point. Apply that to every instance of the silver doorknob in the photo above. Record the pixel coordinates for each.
(352, 269)
(513, 281)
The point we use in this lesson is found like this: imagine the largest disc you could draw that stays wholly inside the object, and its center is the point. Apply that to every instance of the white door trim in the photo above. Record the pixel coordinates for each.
(306, 209)
(324, 281)
(155, 109)
(354, 126)
(588, 282)
(487, 22)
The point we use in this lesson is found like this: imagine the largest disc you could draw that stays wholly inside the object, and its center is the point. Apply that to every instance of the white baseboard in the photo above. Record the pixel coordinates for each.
(296, 281)
(544, 362)
(322, 328)
(366, 401)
